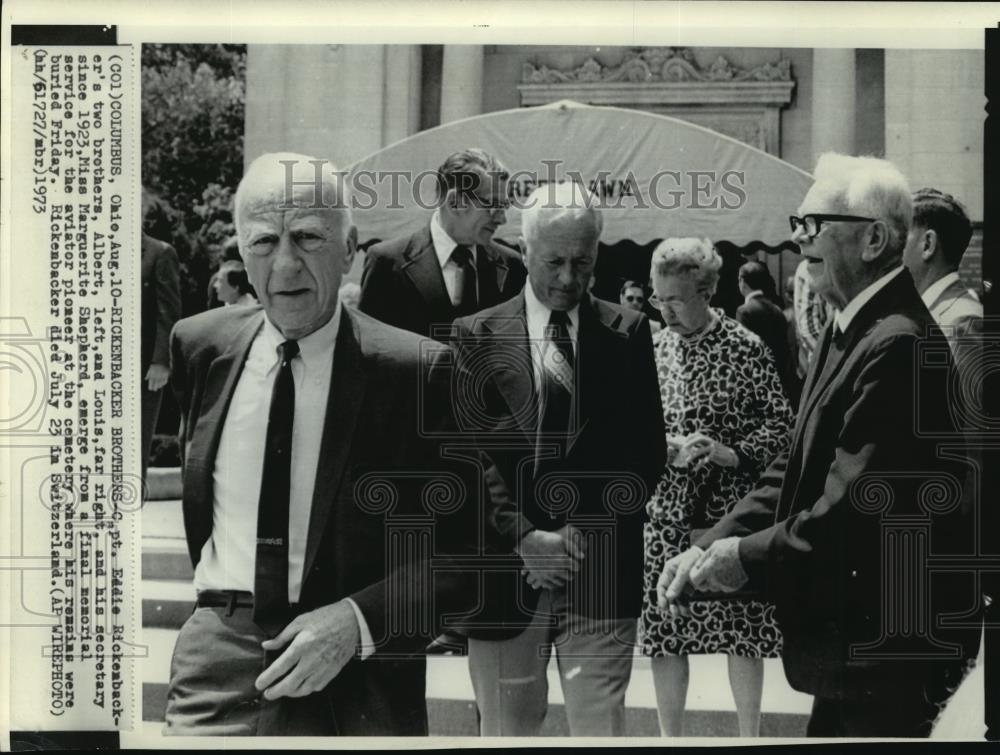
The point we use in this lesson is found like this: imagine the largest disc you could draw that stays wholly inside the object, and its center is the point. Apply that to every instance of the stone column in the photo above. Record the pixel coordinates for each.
(323, 100)
(833, 101)
(461, 82)
(934, 112)
(401, 111)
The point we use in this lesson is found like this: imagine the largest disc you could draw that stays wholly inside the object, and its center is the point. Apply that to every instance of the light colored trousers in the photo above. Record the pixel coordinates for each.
(595, 665)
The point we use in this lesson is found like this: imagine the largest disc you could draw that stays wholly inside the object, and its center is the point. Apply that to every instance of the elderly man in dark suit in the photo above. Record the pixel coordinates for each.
(839, 531)
(451, 267)
(562, 391)
(307, 456)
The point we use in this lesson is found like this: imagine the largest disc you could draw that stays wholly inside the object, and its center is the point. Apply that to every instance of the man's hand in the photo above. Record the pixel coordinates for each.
(320, 643)
(157, 376)
(674, 579)
(700, 450)
(551, 558)
(720, 568)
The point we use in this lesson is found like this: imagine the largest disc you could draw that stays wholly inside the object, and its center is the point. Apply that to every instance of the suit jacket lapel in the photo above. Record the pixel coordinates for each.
(220, 383)
(515, 370)
(491, 270)
(424, 271)
(593, 348)
(347, 391)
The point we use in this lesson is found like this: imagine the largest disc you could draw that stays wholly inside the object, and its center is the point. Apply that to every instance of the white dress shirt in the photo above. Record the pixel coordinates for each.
(537, 315)
(444, 245)
(844, 317)
(228, 556)
(937, 288)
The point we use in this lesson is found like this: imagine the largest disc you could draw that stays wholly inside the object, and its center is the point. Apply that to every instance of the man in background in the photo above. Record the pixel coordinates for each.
(451, 267)
(760, 315)
(161, 308)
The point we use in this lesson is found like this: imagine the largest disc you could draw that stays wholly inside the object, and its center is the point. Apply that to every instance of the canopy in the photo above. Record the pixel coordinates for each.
(656, 176)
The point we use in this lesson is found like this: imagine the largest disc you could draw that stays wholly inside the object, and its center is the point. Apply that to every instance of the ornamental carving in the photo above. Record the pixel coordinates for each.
(657, 64)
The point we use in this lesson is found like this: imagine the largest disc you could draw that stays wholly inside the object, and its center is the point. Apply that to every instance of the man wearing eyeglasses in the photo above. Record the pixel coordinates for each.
(451, 267)
(839, 528)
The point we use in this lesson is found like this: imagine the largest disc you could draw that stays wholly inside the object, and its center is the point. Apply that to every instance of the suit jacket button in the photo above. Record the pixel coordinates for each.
(854, 572)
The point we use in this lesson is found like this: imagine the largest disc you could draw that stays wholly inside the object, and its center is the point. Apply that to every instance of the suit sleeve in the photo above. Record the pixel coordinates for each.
(168, 302)
(377, 298)
(875, 457)
(178, 384)
(506, 525)
(439, 579)
(650, 447)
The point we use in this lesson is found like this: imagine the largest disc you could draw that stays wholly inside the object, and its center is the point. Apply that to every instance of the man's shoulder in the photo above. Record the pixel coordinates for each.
(499, 251)
(215, 326)
(956, 306)
(615, 317)
(396, 249)
(483, 321)
(382, 344)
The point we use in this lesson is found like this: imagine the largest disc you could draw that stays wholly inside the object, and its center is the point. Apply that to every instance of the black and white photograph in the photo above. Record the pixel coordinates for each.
(488, 378)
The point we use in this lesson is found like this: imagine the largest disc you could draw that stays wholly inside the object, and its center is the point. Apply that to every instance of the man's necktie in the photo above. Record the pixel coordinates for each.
(270, 585)
(557, 375)
(465, 282)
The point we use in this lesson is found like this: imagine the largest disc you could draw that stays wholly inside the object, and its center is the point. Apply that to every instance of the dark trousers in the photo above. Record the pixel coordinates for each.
(910, 713)
(150, 411)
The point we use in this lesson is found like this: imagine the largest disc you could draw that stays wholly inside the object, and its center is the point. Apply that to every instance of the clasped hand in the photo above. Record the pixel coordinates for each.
(718, 569)
(319, 644)
(697, 450)
(551, 559)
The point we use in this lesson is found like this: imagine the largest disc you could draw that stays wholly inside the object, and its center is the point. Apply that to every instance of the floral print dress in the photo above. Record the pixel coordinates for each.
(721, 382)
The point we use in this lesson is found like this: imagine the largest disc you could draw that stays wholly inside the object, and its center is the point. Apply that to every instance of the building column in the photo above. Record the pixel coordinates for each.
(461, 82)
(321, 100)
(934, 113)
(401, 111)
(833, 102)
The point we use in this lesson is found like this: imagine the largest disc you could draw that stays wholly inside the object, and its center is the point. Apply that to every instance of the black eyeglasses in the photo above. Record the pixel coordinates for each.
(813, 222)
(634, 298)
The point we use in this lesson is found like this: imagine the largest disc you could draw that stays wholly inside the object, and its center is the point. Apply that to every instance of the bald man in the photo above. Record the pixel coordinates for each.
(305, 434)
(563, 391)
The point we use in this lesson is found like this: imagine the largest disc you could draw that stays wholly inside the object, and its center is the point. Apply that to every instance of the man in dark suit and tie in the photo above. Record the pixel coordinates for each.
(562, 392)
(760, 315)
(841, 528)
(317, 508)
(451, 267)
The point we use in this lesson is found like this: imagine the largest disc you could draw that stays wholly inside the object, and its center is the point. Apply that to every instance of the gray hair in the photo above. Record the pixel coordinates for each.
(273, 178)
(565, 207)
(870, 187)
(692, 257)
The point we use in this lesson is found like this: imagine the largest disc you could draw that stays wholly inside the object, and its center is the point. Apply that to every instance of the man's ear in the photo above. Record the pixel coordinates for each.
(928, 244)
(352, 247)
(876, 240)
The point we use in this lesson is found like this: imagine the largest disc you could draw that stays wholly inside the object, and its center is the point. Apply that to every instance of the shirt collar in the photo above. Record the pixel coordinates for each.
(538, 314)
(937, 288)
(444, 244)
(848, 313)
(752, 295)
(316, 346)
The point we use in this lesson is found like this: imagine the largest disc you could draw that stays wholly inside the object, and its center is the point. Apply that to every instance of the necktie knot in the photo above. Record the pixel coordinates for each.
(288, 351)
(462, 255)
